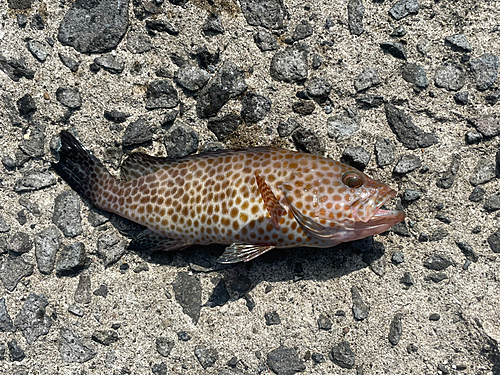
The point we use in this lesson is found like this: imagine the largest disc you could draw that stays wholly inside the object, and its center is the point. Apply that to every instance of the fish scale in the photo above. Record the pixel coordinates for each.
(253, 199)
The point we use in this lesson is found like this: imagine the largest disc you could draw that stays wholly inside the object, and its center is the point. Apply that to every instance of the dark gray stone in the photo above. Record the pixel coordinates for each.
(159, 368)
(9, 109)
(401, 229)
(161, 94)
(355, 13)
(366, 79)
(191, 78)
(302, 31)
(72, 348)
(183, 336)
(4, 227)
(462, 98)
(360, 309)
(473, 137)
(254, 107)
(69, 62)
(357, 157)
(26, 106)
(72, 259)
(102, 291)
(342, 126)
(169, 119)
(403, 8)
(32, 320)
(20, 4)
(106, 338)
(307, 140)
(411, 195)
(488, 125)
(116, 116)
(110, 63)
(206, 356)
(407, 279)
(110, 248)
(304, 107)
(265, 13)
(395, 49)
(384, 152)
(450, 76)
(265, 40)
(20, 243)
(494, 241)
(318, 87)
(483, 172)
(108, 26)
(69, 97)
(285, 361)
(67, 213)
(407, 164)
(75, 310)
(287, 127)
(82, 292)
(468, 251)
(343, 356)
(492, 203)
(438, 262)
(15, 351)
(223, 127)
(12, 270)
(448, 178)
(6, 324)
(397, 258)
(164, 345)
(228, 83)
(398, 31)
(436, 277)
(458, 43)
(39, 50)
(290, 65)
(187, 290)
(37, 22)
(272, 318)
(324, 322)
(162, 26)
(213, 25)
(415, 74)
(138, 43)
(438, 234)
(137, 133)
(317, 61)
(181, 140)
(477, 194)
(34, 145)
(395, 329)
(485, 69)
(16, 68)
(318, 358)
(22, 20)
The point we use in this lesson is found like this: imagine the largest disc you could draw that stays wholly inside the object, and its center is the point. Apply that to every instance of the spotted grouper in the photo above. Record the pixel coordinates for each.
(253, 200)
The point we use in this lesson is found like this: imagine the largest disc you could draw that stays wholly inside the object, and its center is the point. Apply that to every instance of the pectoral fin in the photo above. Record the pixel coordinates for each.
(150, 241)
(270, 201)
(240, 252)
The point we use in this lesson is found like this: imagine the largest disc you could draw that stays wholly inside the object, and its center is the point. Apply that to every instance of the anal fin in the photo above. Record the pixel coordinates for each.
(270, 201)
(148, 240)
(241, 252)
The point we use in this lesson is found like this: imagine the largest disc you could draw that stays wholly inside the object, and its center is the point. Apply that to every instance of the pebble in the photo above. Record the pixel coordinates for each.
(39, 50)
(287, 127)
(16, 69)
(105, 337)
(164, 345)
(137, 133)
(290, 65)
(384, 152)
(183, 336)
(213, 25)
(69, 97)
(436, 277)
(72, 348)
(448, 178)
(438, 262)
(360, 309)
(462, 98)
(415, 74)
(404, 8)
(395, 49)
(169, 119)
(318, 87)
(473, 137)
(110, 63)
(488, 125)
(21, 217)
(206, 356)
(266, 13)
(138, 42)
(162, 26)
(366, 79)
(191, 77)
(434, 317)
(285, 361)
(318, 358)
(102, 291)
(219, 296)
(34, 145)
(342, 126)
(401, 229)
(477, 194)
(20, 243)
(37, 22)
(12, 270)
(272, 318)
(115, 116)
(324, 322)
(15, 351)
(398, 31)
(485, 69)
(181, 140)
(357, 157)
(82, 292)
(20, 4)
(10, 109)
(407, 164)
(26, 106)
(224, 126)
(161, 94)
(355, 13)
(32, 319)
(458, 43)
(109, 25)
(395, 329)
(397, 258)
(72, 259)
(407, 279)
(411, 195)
(254, 107)
(228, 83)
(483, 172)
(493, 241)
(492, 203)
(307, 140)
(265, 40)
(304, 107)
(302, 31)
(66, 213)
(343, 356)
(6, 324)
(450, 76)
(187, 291)
(159, 369)
(22, 20)
(468, 251)
(75, 310)
(110, 248)
(438, 234)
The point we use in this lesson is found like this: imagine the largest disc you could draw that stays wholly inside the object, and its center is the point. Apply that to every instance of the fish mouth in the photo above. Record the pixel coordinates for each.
(383, 216)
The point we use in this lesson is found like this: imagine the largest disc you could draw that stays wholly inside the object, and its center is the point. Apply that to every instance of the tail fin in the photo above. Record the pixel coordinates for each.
(84, 172)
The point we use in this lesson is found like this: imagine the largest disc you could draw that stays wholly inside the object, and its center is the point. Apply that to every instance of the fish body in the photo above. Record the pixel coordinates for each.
(253, 200)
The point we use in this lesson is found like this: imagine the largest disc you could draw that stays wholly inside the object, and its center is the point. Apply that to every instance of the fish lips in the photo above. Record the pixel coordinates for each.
(385, 217)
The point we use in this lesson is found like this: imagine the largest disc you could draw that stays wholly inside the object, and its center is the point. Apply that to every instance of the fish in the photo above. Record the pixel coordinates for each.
(252, 200)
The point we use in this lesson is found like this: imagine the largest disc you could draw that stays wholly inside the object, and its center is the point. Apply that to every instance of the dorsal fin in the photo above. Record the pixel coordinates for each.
(270, 201)
(139, 164)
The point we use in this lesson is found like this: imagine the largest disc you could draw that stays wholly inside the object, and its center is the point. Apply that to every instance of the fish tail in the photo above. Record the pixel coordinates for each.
(85, 173)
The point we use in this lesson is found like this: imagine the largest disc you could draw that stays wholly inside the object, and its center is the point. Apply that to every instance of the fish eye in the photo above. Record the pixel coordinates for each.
(352, 180)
